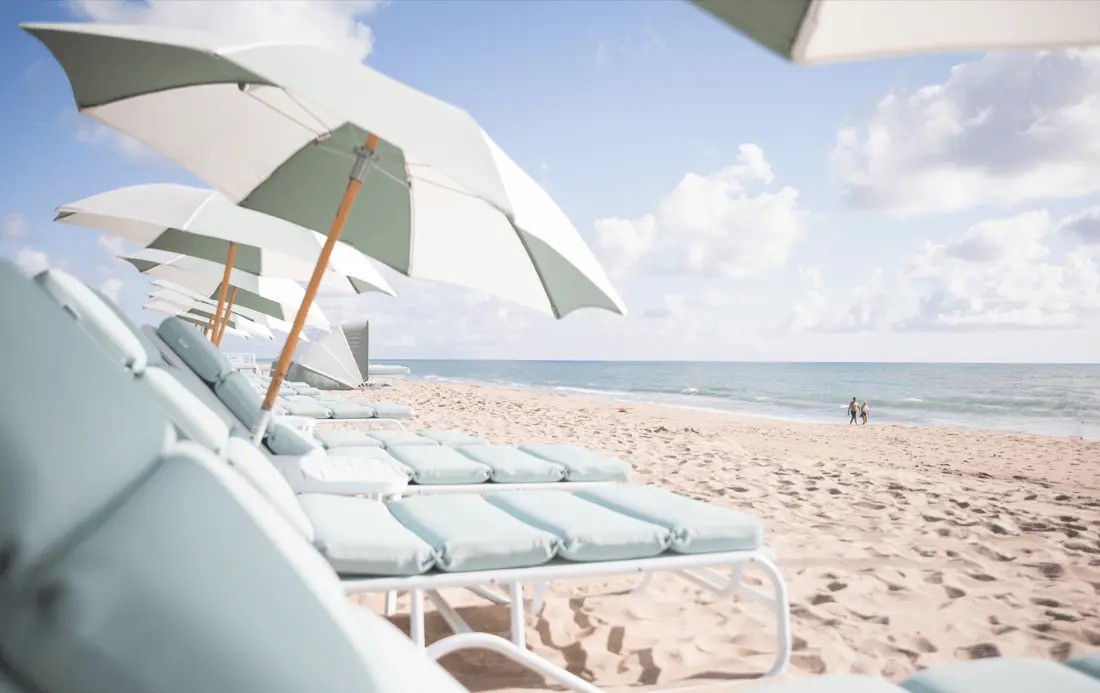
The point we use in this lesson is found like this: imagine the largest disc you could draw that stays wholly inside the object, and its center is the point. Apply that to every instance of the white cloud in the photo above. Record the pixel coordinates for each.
(730, 223)
(112, 288)
(1004, 129)
(335, 24)
(14, 226)
(1084, 226)
(1001, 274)
(31, 261)
(97, 134)
(672, 306)
(114, 245)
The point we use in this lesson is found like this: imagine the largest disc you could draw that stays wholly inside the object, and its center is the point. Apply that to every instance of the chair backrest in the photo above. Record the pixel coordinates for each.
(142, 563)
(67, 453)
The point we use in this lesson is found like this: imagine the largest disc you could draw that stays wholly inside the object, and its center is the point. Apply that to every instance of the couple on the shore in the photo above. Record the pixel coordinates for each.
(859, 410)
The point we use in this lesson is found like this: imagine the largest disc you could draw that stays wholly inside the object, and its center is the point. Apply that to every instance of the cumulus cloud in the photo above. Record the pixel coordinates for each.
(999, 274)
(31, 261)
(14, 226)
(1084, 226)
(731, 223)
(114, 245)
(1004, 129)
(112, 288)
(335, 24)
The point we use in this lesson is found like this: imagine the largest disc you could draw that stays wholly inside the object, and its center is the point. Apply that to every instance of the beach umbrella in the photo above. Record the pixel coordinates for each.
(204, 224)
(207, 308)
(292, 130)
(166, 291)
(272, 296)
(233, 327)
(820, 31)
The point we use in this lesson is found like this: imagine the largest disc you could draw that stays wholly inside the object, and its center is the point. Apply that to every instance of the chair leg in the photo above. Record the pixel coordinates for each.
(391, 603)
(781, 608)
(416, 617)
(519, 629)
(521, 656)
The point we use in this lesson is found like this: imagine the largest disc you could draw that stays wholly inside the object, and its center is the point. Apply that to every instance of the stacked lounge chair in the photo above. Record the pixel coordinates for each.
(422, 545)
(301, 399)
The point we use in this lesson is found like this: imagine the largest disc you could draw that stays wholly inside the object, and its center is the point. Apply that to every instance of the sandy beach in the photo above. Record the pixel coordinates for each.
(902, 547)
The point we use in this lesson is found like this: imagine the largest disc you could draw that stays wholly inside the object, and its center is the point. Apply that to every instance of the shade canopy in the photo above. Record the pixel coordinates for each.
(233, 327)
(274, 127)
(206, 306)
(272, 296)
(820, 31)
(202, 223)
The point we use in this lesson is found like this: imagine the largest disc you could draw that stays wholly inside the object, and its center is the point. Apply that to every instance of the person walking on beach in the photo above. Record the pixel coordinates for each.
(863, 412)
(853, 411)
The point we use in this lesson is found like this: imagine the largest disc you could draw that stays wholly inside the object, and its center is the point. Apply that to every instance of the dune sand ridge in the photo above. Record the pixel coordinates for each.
(903, 547)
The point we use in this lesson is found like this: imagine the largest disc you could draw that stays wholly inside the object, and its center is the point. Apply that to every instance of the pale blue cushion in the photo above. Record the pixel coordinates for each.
(1087, 664)
(345, 438)
(452, 438)
(581, 464)
(152, 354)
(509, 465)
(239, 397)
(585, 531)
(76, 429)
(360, 537)
(388, 410)
(350, 410)
(305, 408)
(196, 350)
(1002, 675)
(468, 533)
(388, 438)
(696, 527)
(438, 464)
(841, 683)
(283, 439)
(195, 584)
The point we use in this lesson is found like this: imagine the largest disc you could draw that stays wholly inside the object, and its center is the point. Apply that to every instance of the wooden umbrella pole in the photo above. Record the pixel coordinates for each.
(224, 288)
(364, 157)
(209, 326)
(225, 317)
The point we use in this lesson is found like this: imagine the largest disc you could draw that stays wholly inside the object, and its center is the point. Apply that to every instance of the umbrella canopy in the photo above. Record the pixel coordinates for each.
(184, 297)
(272, 296)
(202, 223)
(232, 327)
(819, 31)
(277, 128)
(207, 309)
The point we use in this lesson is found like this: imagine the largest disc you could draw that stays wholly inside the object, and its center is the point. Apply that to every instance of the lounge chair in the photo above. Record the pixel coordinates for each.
(422, 545)
(996, 675)
(123, 548)
(364, 469)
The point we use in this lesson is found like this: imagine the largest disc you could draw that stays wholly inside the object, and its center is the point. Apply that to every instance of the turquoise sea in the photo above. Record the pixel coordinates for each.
(1049, 399)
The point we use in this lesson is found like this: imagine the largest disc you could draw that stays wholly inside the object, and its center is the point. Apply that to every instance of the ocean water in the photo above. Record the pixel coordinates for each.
(1047, 399)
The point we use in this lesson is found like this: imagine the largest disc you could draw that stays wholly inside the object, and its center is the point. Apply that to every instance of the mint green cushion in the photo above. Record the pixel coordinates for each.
(452, 438)
(388, 410)
(585, 531)
(1088, 664)
(388, 438)
(239, 397)
(696, 527)
(345, 438)
(283, 439)
(1001, 675)
(841, 683)
(468, 533)
(360, 537)
(196, 350)
(438, 464)
(581, 464)
(305, 408)
(509, 465)
(350, 410)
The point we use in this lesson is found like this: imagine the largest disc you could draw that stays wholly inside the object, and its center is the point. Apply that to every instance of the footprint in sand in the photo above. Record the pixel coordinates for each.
(982, 650)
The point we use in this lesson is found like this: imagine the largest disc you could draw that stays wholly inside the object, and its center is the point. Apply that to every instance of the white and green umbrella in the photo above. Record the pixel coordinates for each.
(206, 310)
(293, 130)
(821, 31)
(202, 223)
(235, 326)
(272, 296)
(173, 293)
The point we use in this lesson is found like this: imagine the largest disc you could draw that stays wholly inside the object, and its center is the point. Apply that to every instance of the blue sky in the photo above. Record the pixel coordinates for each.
(939, 208)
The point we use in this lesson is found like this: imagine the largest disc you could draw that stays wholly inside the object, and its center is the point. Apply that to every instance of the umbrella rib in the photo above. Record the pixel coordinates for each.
(319, 135)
